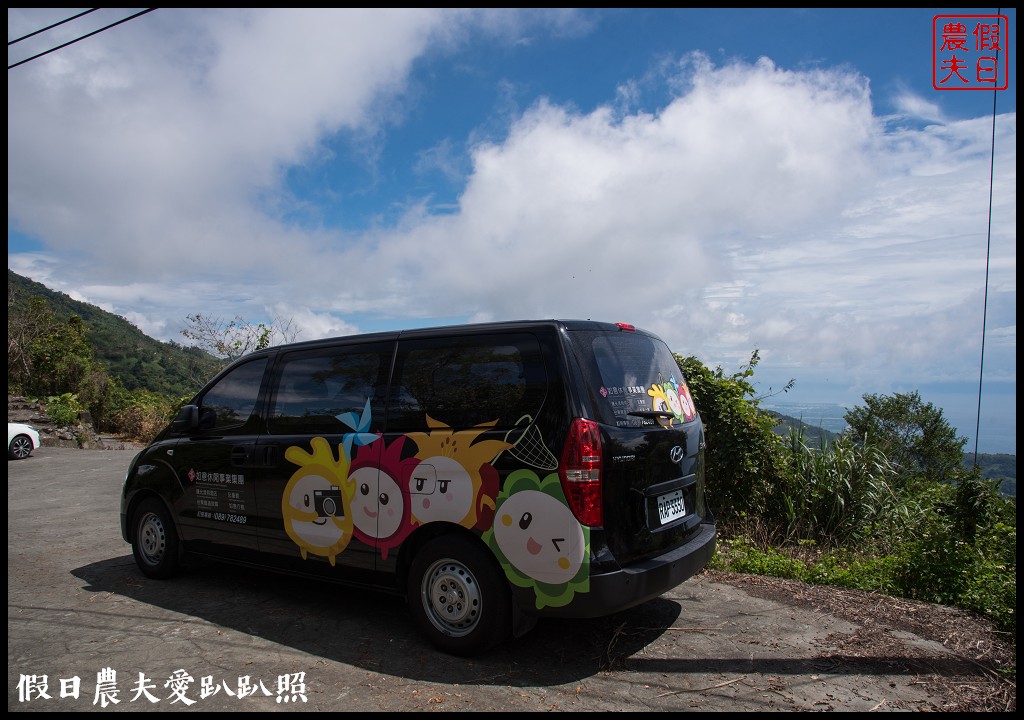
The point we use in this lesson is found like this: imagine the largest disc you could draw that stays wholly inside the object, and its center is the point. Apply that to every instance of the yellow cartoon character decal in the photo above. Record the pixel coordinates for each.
(661, 402)
(316, 501)
(673, 397)
(454, 480)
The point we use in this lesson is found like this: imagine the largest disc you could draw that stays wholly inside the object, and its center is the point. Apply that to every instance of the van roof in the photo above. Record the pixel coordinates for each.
(467, 328)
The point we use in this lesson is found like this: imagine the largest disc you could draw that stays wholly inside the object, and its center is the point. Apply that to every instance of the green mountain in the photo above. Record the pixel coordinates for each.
(134, 358)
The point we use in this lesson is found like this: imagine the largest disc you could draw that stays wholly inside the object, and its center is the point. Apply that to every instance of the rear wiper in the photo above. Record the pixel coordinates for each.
(653, 414)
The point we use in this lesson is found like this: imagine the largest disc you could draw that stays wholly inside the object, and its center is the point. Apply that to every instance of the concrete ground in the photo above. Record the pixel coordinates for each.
(218, 638)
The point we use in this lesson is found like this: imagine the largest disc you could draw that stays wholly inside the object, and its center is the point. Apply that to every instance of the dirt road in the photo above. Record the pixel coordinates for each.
(226, 639)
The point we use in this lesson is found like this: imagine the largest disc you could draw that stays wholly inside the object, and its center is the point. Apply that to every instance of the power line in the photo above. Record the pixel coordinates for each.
(988, 256)
(71, 42)
(51, 27)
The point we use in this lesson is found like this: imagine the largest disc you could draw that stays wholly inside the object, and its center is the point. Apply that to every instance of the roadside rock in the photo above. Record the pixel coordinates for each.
(83, 435)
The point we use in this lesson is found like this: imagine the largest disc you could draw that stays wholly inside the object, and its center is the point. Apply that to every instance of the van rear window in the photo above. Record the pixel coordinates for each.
(634, 373)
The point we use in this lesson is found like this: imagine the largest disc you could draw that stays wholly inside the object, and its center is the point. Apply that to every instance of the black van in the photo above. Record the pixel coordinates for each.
(491, 473)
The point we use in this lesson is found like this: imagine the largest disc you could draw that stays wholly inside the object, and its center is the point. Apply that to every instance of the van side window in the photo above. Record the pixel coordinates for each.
(464, 382)
(232, 400)
(317, 390)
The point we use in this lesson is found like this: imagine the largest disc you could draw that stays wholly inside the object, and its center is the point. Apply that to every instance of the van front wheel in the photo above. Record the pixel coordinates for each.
(459, 597)
(154, 540)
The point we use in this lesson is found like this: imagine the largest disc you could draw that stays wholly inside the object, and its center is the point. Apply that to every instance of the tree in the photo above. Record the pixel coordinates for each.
(44, 355)
(232, 339)
(25, 328)
(913, 434)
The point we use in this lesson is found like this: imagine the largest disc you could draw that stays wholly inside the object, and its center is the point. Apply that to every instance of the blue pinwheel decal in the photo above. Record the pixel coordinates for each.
(360, 424)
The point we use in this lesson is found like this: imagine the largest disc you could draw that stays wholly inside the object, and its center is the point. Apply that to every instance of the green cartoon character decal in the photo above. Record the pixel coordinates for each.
(538, 541)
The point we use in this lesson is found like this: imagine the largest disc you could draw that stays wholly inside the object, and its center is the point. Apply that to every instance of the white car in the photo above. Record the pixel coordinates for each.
(22, 439)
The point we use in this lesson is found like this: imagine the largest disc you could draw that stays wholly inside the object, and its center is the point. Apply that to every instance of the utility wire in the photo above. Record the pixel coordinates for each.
(51, 27)
(71, 42)
(988, 256)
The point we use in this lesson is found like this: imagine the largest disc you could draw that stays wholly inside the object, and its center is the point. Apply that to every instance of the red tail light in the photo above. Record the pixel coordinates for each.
(626, 326)
(580, 472)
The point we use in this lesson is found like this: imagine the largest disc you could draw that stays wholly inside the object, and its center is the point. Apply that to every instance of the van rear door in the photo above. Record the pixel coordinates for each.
(652, 440)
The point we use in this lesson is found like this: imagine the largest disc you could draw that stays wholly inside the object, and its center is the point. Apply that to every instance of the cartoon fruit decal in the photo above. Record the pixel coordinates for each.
(673, 397)
(315, 503)
(538, 541)
(686, 400)
(381, 506)
(660, 403)
(455, 481)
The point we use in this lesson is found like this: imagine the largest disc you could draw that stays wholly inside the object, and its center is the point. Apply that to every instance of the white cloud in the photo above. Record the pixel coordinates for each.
(171, 151)
(914, 106)
(759, 208)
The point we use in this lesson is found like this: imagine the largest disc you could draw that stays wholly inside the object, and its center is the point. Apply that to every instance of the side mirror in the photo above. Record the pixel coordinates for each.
(187, 420)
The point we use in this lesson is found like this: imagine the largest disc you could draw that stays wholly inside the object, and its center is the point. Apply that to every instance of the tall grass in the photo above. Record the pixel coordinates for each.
(846, 516)
(839, 493)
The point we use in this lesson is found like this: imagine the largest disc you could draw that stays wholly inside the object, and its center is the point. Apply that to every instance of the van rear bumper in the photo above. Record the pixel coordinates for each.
(642, 581)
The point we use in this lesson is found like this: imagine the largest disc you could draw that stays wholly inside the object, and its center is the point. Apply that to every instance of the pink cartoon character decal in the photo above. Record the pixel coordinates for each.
(686, 400)
(380, 502)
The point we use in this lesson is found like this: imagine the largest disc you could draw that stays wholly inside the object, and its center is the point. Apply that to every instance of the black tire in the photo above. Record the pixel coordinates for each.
(20, 447)
(154, 540)
(459, 596)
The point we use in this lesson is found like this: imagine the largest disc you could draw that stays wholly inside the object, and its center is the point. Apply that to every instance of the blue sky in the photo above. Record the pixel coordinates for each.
(782, 180)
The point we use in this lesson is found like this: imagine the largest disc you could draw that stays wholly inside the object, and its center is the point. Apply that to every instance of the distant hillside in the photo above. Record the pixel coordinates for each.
(134, 358)
(997, 466)
(994, 466)
(814, 436)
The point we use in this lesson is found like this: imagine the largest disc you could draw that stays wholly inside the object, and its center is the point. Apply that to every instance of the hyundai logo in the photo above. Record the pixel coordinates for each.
(676, 454)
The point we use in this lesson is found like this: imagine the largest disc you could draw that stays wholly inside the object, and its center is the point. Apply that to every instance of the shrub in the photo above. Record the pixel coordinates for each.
(741, 555)
(143, 415)
(991, 584)
(745, 460)
(839, 494)
(63, 410)
(841, 568)
(139, 423)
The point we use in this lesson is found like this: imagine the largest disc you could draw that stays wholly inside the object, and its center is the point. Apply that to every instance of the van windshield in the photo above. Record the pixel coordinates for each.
(634, 379)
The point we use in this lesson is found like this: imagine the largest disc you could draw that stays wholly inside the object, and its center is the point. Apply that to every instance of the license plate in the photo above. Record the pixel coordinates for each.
(671, 507)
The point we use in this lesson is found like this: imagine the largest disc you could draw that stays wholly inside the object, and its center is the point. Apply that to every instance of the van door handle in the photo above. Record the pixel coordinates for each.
(240, 455)
(269, 456)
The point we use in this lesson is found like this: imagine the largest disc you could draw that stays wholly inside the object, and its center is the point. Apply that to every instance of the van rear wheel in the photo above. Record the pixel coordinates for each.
(459, 597)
